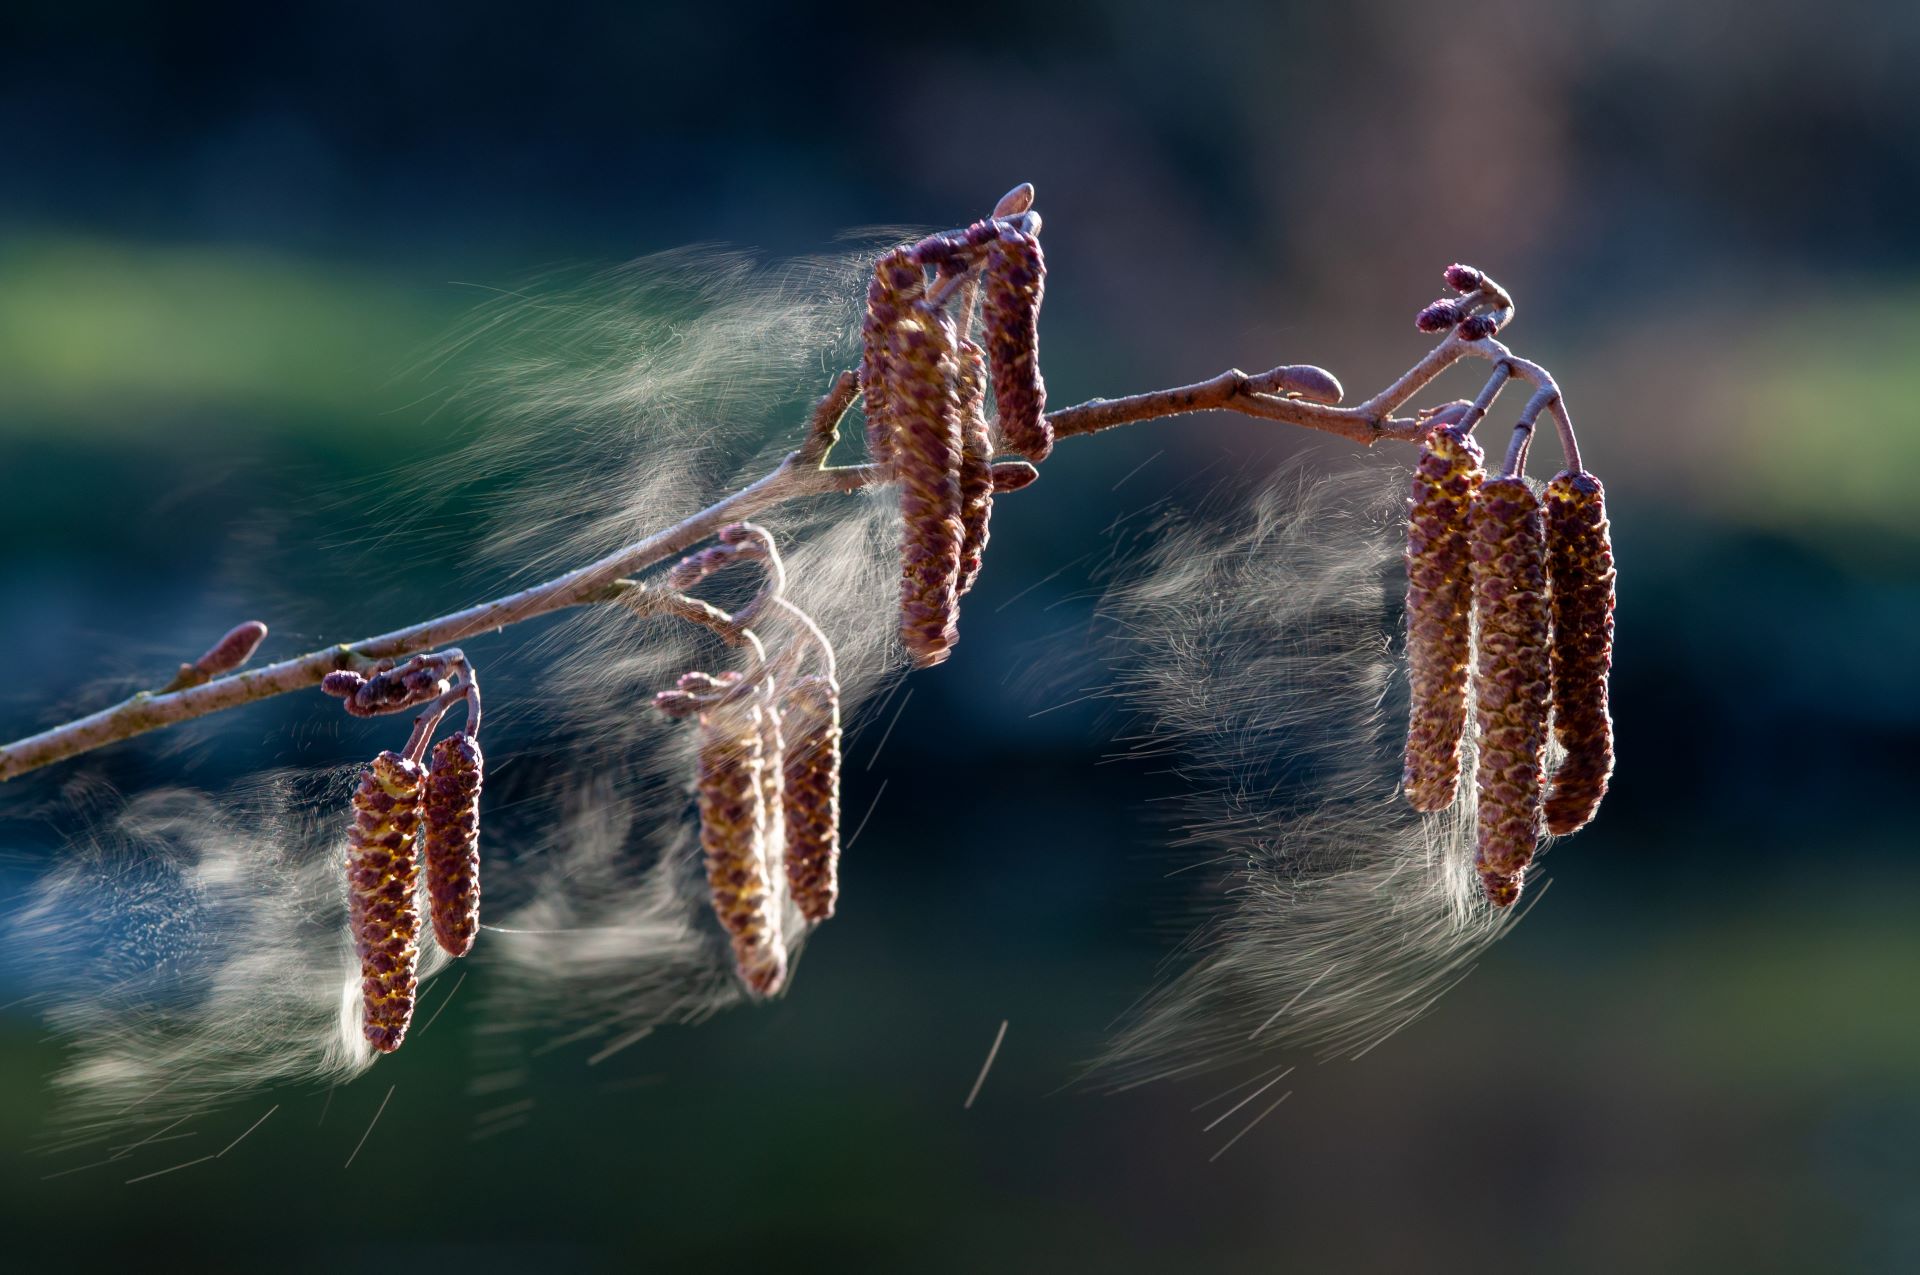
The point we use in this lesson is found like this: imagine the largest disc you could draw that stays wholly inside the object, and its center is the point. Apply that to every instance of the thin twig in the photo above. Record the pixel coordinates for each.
(803, 473)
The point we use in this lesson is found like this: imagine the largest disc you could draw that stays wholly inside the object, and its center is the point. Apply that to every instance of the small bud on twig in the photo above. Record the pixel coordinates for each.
(1478, 327)
(1580, 565)
(1463, 278)
(1012, 475)
(224, 656)
(382, 872)
(450, 837)
(1438, 316)
(1511, 680)
(391, 690)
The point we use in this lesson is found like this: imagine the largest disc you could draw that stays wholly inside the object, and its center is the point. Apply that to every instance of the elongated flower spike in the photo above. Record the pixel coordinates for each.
(812, 811)
(1439, 613)
(382, 873)
(1016, 276)
(1511, 680)
(733, 824)
(450, 837)
(976, 464)
(923, 376)
(1580, 565)
(898, 284)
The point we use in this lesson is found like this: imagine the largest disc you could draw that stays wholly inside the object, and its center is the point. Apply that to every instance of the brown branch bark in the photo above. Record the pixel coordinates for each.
(801, 474)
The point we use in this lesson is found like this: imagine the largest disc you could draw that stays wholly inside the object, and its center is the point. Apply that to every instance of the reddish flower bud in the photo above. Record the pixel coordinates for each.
(812, 766)
(1478, 327)
(1438, 316)
(1015, 201)
(231, 651)
(1580, 565)
(382, 872)
(1511, 680)
(1463, 278)
(1439, 613)
(1015, 284)
(450, 816)
(1012, 475)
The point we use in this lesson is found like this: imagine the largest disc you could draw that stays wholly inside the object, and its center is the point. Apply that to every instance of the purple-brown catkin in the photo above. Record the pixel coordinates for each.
(382, 871)
(450, 815)
(1016, 277)
(1580, 564)
(733, 837)
(1511, 681)
(1439, 613)
(923, 397)
(976, 464)
(896, 285)
(812, 766)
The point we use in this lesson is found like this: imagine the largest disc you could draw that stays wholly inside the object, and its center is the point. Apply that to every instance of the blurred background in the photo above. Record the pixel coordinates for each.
(233, 240)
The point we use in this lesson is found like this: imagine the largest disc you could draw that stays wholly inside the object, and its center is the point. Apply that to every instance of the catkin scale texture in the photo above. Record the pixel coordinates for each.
(923, 381)
(733, 838)
(1580, 565)
(382, 874)
(1439, 613)
(976, 464)
(812, 766)
(450, 838)
(897, 283)
(1015, 283)
(1510, 681)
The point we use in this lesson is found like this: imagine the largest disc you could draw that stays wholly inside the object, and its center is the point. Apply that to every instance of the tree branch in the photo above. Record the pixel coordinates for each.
(1298, 396)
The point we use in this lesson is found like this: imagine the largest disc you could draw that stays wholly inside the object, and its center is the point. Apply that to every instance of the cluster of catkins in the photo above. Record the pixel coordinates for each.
(924, 381)
(767, 775)
(1537, 579)
(408, 807)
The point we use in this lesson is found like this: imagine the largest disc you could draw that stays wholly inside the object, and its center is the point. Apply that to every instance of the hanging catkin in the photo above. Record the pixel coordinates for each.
(1015, 283)
(1580, 564)
(812, 766)
(1439, 613)
(450, 837)
(733, 837)
(382, 873)
(976, 464)
(896, 285)
(1511, 680)
(923, 380)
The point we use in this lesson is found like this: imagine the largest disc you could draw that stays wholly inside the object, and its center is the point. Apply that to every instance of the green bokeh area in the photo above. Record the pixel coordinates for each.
(246, 265)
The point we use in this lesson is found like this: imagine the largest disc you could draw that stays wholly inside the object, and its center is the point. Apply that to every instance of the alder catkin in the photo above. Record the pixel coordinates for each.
(923, 384)
(1580, 566)
(733, 838)
(812, 766)
(1511, 680)
(1439, 613)
(897, 283)
(976, 464)
(382, 872)
(450, 839)
(1015, 283)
